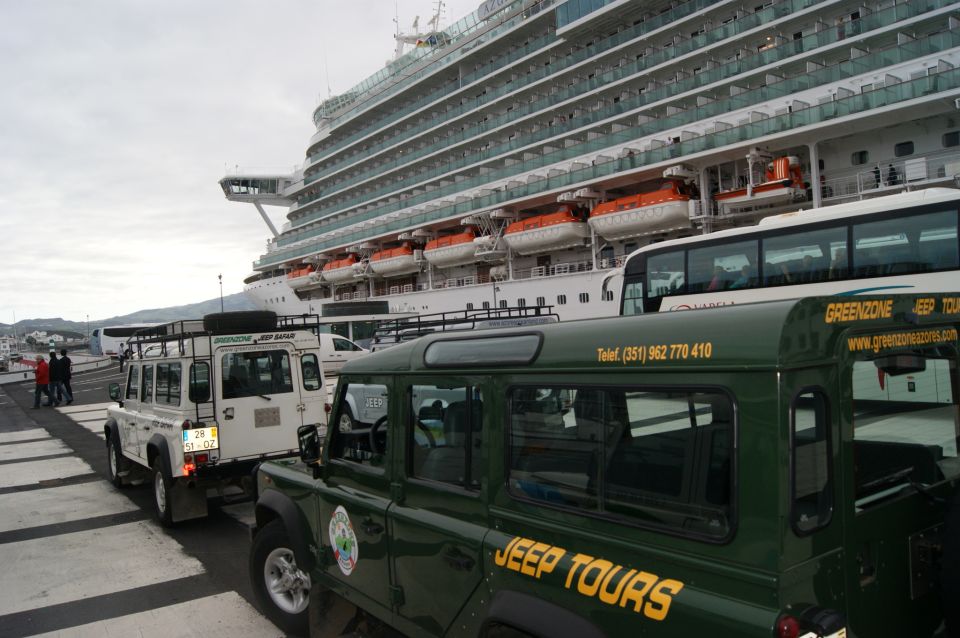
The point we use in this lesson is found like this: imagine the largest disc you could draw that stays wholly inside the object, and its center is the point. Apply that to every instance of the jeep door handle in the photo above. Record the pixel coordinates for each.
(371, 528)
(458, 560)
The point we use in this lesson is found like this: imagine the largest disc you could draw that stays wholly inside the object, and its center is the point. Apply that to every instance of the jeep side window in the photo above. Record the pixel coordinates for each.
(168, 383)
(661, 459)
(360, 425)
(200, 382)
(811, 481)
(905, 422)
(133, 383)
(311, 371)
(146, 389)
(259, 373)
(445, 434)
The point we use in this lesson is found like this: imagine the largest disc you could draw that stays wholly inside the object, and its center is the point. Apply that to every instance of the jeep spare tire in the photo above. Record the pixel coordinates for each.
(240, 321)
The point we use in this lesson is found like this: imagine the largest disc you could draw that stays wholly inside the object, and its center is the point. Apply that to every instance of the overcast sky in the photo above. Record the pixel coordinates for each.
(117, 119)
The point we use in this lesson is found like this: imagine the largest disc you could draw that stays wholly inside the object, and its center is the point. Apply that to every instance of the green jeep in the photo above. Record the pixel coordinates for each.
(782, 470)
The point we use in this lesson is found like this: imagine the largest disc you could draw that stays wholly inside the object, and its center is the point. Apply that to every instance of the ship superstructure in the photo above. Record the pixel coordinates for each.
(515, 157)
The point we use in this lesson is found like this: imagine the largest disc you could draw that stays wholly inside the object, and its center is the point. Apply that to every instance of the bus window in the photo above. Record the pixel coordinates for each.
(715, 268)
(905, 421)
(665, 274)
(893, 247)
(801, 257)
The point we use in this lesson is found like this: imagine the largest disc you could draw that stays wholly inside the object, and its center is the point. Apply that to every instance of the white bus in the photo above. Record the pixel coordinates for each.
(900, 243)
(109, 340)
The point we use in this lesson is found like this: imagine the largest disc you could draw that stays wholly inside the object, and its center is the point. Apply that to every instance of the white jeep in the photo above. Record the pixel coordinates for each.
(206, 401)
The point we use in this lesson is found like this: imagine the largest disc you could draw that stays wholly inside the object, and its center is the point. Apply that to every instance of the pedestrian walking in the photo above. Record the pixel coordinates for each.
(121, 354)
(42, 372)
(67, 368)
(57, 391)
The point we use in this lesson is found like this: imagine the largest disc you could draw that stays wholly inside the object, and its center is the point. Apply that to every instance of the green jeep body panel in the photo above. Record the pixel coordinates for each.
(439, 559)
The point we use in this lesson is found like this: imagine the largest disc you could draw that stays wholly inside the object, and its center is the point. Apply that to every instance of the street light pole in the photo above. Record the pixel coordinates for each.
(220, 279)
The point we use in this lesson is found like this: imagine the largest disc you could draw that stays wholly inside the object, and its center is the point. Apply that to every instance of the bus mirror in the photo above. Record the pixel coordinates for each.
(898, 364)
(309, 439)
(114, 390)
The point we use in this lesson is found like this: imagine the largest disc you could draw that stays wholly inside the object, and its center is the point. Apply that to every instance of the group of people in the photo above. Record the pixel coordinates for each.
(53, 379)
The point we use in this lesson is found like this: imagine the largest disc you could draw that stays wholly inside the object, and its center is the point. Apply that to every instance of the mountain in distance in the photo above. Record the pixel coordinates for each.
(231, 303)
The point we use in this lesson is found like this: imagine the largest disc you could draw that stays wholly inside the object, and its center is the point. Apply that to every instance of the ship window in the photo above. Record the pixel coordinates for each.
(608, 295)
(561, 300)
(584, 297)
(521, 302)
(903, 148)
(859, 158)
(503, 303)
(469, 306)
(486, 305)
(951, 139)
(541, 301)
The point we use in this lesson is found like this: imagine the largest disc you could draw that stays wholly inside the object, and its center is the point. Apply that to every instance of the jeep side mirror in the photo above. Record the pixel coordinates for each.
(114, 390)
(309, 439)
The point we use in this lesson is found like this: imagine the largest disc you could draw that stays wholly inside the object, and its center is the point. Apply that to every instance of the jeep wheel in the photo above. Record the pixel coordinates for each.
(282, 589)
(345, 423)
(162, 497)
(116, 462)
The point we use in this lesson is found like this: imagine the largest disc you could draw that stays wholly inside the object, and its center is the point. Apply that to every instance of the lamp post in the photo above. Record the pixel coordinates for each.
(220, 279)
(88, 330)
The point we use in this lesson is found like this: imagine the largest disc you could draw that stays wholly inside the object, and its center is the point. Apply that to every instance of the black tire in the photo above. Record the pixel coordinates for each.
(282, 590)
(346, 423)
(950, 566)
(240, 321)
(116, 462)
(162, 496)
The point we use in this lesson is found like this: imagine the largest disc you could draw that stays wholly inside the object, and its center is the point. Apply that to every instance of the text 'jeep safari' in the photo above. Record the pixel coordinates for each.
(205, 401)
(775, 470)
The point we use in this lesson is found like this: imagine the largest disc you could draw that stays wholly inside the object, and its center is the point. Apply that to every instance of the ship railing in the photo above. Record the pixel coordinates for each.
(890, 175)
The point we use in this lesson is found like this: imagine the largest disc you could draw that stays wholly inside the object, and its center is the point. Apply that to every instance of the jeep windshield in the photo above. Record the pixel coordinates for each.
(258, 373)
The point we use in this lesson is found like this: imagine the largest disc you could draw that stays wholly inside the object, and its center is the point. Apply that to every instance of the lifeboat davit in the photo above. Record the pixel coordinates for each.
(300, 277)
(784, 183)
(394, 261)
(340, 270)
(546, 232)
(661, 210)
(452, 250)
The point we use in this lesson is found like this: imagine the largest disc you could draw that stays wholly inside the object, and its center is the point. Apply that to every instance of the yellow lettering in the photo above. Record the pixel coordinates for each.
(659, 604)
(612, 597)
(549, 561)
(924, 306)
(950, 305)
(637, 589)
(532, 558)
(578, 561)
(500, 557)
(601, 567)
(858, 310)
(519, 549)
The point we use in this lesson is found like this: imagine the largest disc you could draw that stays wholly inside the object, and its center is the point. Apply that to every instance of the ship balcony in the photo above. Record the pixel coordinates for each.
(257, 189)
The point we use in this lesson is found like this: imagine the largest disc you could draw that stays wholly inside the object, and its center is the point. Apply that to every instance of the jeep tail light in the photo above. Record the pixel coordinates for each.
(188, 457)
(188, 469)
(185, 425)
(202, 458)
(787, 627)
(327, 408)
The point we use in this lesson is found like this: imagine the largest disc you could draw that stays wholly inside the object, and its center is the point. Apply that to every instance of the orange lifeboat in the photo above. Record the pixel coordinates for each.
(451, 250)
(300, 277)
(784, 183)
(551, 231)
(340, 270)
(395, 261)
(664, 209)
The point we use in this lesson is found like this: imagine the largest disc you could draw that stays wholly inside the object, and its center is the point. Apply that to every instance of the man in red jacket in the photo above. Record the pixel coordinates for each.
(43, 381)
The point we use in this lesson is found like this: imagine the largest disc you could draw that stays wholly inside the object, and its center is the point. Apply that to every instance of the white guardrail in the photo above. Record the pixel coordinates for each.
(20, 372)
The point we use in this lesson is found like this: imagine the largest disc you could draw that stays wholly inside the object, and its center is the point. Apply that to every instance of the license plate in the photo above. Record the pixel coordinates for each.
(199, 439)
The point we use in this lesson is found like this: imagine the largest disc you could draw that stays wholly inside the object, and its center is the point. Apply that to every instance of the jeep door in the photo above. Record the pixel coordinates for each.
(127, 417)
(438, 525)
(259, 407)
(900, 437)
(354, 498)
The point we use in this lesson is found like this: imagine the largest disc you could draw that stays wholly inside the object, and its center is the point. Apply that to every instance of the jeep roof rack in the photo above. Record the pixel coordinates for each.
(396, 331)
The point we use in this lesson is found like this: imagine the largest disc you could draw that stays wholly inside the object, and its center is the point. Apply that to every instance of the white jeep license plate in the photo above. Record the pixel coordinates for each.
(200, 439)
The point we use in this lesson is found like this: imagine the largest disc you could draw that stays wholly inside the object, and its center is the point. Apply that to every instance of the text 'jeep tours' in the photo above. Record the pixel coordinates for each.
(205, 401)
(778, 470)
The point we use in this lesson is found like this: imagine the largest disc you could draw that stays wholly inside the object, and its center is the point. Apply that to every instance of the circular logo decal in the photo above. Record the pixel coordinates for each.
(343, 541)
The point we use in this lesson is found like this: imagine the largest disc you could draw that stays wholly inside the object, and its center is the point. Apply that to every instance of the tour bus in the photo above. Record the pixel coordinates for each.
(900, 243)
(778, 470)
(110, 340)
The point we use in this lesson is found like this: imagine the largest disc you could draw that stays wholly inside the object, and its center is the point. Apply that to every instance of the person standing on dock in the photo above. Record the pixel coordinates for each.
(67, 369)
(42, 372)
(57, 391)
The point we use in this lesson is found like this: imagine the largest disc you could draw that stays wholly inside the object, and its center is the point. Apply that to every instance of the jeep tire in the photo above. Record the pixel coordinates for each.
(345, 422)
(282, 590)
(162, 495)
(240, 321)
(116, 462)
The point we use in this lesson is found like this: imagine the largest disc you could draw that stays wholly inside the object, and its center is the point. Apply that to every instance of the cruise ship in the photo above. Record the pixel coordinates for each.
(515, 157)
